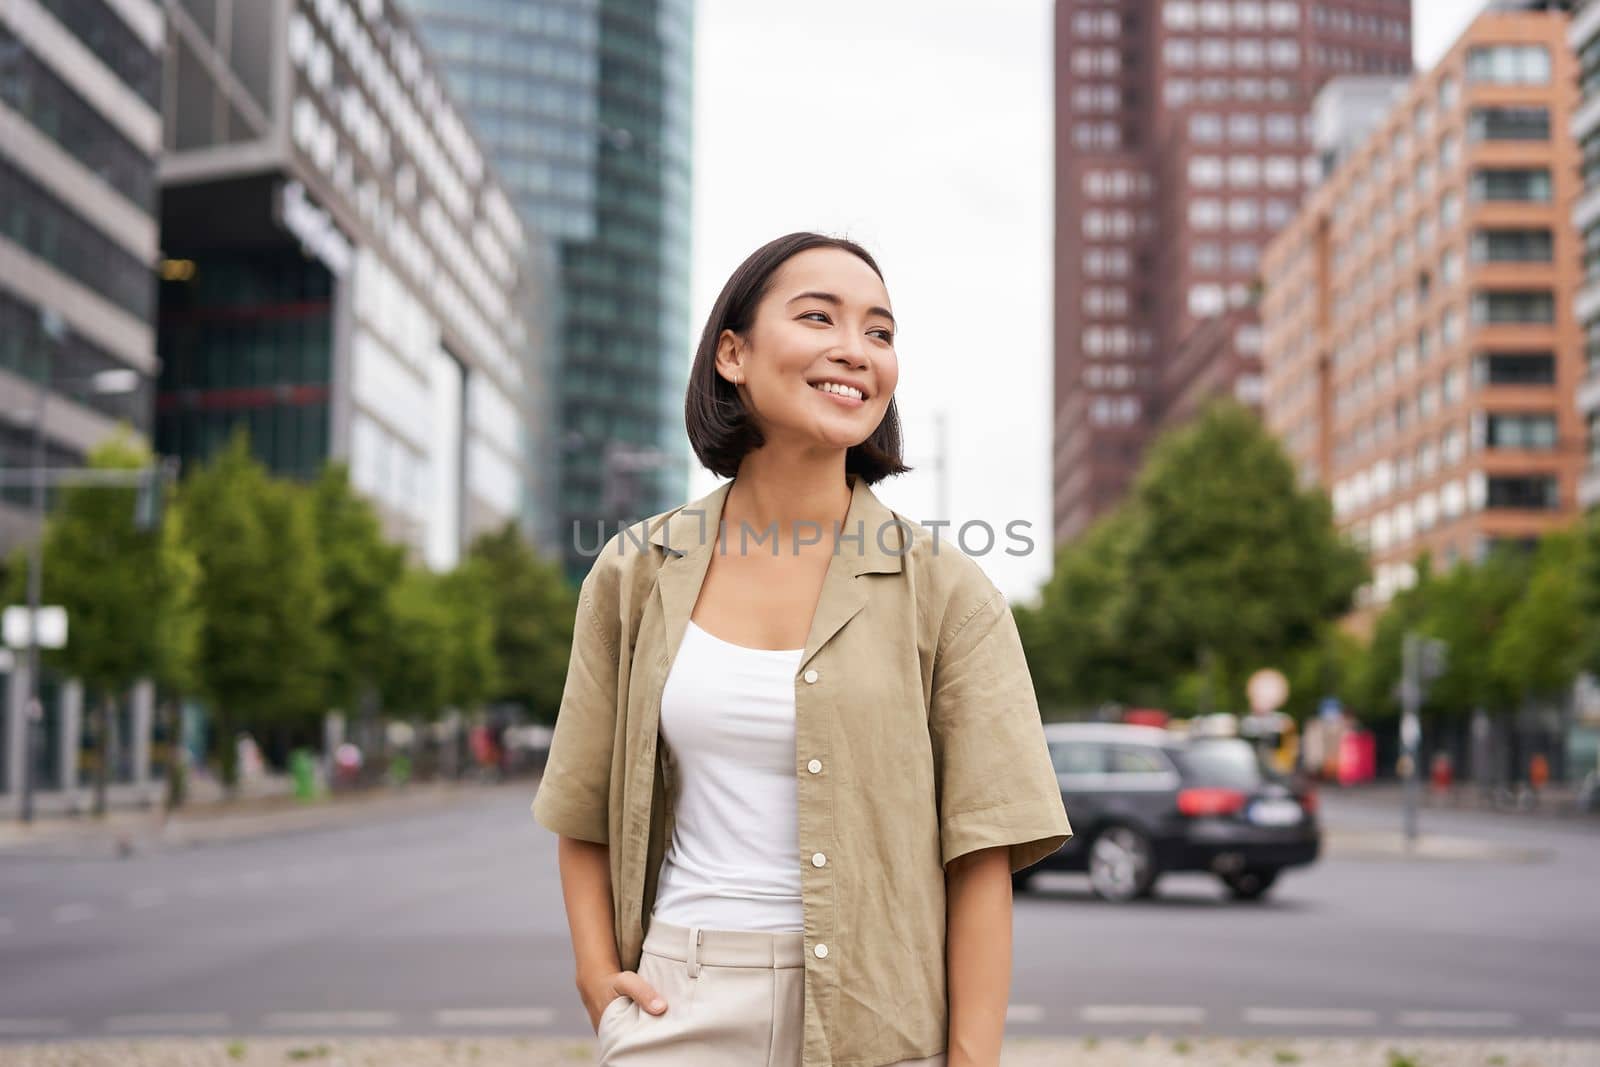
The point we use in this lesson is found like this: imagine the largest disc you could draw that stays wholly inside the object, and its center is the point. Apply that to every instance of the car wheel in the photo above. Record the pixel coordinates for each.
(1121, 864)
(1249, 884)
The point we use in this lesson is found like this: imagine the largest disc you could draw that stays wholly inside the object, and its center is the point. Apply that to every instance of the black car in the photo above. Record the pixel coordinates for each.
(1144, 801)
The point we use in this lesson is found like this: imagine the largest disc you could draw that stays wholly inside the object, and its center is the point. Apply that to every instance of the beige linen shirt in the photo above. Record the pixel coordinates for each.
(917, 740)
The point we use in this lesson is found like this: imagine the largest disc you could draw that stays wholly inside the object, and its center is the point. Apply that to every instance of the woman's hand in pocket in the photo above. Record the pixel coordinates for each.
(621, 984)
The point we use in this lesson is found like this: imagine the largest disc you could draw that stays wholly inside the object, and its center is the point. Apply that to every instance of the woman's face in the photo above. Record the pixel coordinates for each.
(825, 319)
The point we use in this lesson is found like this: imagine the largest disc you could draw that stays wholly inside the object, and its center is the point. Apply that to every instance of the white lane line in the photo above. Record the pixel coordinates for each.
(1143, 1013)
(330, 1020)
(1478, 1020)
(30, 1027)
(494, 1017)
(73, 913)
(1582, 1018)
(164, 1024)
(1309, 1017)
(146, 898)
(1024, 1013)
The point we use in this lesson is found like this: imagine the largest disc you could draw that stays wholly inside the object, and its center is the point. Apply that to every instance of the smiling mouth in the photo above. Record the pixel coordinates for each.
(844, 395)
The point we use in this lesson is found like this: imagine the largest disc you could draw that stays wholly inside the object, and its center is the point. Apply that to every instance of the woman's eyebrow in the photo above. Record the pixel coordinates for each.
(836, 302)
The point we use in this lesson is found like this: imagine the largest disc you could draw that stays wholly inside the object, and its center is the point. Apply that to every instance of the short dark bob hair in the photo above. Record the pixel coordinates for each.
(721, 431)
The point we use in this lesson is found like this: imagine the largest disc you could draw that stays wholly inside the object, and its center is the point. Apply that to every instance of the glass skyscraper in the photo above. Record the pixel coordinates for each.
(585, 107)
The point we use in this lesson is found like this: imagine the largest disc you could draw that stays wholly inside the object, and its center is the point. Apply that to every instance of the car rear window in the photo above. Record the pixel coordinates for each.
(1222, 762)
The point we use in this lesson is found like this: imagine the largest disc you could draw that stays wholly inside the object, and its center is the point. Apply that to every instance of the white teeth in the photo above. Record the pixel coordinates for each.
(842, 390)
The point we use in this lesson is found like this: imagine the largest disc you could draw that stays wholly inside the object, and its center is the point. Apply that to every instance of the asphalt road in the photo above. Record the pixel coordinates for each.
(450, 921)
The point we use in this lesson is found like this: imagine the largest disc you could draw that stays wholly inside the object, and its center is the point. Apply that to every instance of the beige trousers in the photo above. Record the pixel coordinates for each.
(735, 998)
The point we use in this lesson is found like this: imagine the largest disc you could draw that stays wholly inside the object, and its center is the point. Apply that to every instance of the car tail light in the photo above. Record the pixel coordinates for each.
(1308, 800)
(1203, 802)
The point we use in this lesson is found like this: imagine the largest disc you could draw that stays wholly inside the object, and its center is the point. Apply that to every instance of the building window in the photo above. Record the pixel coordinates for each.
(1244, 171)
(1527, 431)
(1178, 52)
(1449, 267)
(1514, 368)
(1283, 53)
(1282, 172)
(1591, 253)
(1513, 306)
(1449, 210)
(1178, 14)
(1448, 94)
(1206, 256)
(1528, 492)
(1283, 14)
(1205, 172)
(1280, 129)
(1205, 127)
(1214, 52)
(1509, 64)
(1248, 52)
(1518, 184)
(1511, 246)
(1205, 214)
(1243, 256)
(1509, 124)
(1205, 300)
(1244, 129)
(1243, 215)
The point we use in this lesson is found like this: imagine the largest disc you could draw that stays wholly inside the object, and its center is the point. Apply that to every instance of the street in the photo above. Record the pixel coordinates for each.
(450, 922)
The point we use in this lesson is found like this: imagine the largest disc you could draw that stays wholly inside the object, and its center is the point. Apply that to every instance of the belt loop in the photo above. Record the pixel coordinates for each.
(696, 935)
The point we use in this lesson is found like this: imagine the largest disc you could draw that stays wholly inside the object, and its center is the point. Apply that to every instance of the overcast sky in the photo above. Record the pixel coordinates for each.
(923, 131)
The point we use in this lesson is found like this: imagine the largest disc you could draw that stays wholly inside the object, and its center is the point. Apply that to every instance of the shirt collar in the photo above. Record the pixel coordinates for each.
(688, 535)
(692, 530)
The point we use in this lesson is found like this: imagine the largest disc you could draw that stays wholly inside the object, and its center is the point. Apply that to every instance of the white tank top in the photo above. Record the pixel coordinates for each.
(727, 718)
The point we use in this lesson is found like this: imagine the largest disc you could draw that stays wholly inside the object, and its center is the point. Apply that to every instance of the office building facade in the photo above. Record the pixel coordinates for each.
(345, 275)
(1419, 338)
(1182, 144)
(80, 128)
(585, 107)
(1584, 40)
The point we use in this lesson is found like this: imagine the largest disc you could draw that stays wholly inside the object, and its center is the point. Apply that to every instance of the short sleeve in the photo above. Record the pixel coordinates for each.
(995, 780)
(574, 793)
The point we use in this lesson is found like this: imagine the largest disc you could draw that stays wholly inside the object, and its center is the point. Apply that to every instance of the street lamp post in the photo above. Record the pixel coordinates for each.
(105, 383)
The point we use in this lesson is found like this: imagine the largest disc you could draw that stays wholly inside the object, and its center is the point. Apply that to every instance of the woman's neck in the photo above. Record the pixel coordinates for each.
(790, 495)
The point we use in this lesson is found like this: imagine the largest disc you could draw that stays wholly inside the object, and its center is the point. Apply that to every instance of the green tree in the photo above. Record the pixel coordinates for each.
(532, 609)
(128, 593)
(1077, 658)
(359, 571)
(261, 654)
(1229, 565)
(1539, 649)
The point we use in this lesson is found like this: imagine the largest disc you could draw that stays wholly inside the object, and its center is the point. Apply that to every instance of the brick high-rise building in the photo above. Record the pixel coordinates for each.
(1419, 338)
(1182, 145)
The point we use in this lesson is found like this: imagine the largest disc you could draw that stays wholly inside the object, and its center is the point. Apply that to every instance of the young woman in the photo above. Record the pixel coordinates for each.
(798, 754)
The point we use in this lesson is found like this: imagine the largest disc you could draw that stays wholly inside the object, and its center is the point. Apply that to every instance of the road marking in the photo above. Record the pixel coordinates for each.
(494, 1017)
(146, 898)
(1582, 1018)
(1309, 1017)
(330, 1020)
(29, 1027)
(1143, 1013)
(73, 913)
(1475, 1019)
(167, 1023)
(1024, 1013)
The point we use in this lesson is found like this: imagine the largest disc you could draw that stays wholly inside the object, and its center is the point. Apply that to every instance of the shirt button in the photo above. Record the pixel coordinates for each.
(815, 766)
(818, 859)
(810, 676)
(821, 951)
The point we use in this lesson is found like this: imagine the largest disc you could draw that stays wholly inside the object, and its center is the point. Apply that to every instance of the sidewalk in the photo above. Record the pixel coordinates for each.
(263, 812)
(1555, 801)
(1154, 1051)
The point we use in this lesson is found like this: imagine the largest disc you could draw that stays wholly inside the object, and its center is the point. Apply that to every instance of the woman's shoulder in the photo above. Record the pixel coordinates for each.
(945, 569)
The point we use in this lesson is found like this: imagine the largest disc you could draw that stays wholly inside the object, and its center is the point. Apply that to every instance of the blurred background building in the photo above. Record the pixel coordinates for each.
(80, 129)
(1584, 40)
(1419, 344)
(585, 107)
(1183, 142)
(344, 271)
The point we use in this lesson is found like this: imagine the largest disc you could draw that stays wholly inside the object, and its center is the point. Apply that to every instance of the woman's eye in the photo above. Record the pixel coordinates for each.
(819, 314)
(888, 337)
